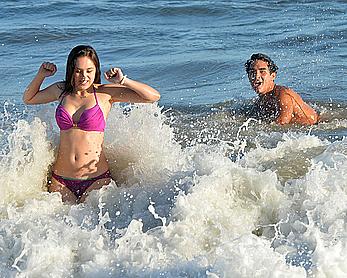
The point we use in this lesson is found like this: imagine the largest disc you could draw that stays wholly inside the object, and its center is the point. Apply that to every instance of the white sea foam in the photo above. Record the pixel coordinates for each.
(175, 212)
(24, 166)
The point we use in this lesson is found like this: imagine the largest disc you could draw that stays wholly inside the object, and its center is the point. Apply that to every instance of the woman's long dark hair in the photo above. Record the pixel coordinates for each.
(76, 52)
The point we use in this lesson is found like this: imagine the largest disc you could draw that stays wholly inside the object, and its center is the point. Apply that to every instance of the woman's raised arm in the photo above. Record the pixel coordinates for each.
(125, 89)
(33, 94)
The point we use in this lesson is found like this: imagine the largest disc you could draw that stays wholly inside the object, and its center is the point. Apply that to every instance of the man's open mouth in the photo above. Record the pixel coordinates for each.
(256, 84)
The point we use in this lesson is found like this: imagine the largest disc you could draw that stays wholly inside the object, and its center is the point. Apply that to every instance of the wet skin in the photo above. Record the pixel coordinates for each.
(289, 105)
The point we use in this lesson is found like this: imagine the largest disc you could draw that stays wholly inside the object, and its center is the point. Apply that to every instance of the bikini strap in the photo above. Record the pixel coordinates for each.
(63, 94)
(94, 91)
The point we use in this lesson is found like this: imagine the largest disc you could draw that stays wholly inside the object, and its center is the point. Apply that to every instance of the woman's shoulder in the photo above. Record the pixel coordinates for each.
(60, 85)
(53, 91)
(104, 88)
(60, 88)
(101, 91)
(57, 87)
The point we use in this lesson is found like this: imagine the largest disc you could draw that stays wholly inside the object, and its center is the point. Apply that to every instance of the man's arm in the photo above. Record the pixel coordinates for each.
(294, 110)
(286, 109)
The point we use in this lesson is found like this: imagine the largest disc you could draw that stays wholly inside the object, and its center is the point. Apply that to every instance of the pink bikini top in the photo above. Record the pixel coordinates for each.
(91, 119)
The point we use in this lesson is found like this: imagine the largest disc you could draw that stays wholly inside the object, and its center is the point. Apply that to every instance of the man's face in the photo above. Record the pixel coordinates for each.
(262, 81)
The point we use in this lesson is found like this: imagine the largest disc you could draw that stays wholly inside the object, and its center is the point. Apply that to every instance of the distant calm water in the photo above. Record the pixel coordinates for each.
(204, 191)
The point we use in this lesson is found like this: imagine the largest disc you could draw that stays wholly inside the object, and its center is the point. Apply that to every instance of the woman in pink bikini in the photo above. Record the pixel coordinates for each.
(84, 104)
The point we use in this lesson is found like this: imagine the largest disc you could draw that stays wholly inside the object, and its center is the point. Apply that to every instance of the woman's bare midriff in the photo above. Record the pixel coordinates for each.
(80, 154)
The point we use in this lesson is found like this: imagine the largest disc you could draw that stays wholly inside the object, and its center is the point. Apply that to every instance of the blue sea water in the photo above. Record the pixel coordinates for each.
(204, 191)
(192, 51)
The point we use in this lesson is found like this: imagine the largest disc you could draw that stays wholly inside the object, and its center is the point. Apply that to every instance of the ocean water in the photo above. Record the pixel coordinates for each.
(200, 189)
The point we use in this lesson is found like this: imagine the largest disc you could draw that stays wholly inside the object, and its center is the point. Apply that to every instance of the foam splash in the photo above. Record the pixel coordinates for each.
(23, 168)
(140, 145)
(175, 212)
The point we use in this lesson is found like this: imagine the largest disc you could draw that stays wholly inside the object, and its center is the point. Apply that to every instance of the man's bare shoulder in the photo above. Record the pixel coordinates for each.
(284, 89)
(285, 92)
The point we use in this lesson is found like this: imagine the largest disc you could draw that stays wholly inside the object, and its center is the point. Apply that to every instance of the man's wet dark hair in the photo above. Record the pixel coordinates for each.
(260, 56)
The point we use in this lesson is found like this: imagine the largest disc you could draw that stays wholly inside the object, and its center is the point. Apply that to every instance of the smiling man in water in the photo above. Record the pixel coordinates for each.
(276, 102)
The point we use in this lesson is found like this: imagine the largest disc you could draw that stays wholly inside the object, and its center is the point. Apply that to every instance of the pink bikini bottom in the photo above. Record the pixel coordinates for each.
(78, 187)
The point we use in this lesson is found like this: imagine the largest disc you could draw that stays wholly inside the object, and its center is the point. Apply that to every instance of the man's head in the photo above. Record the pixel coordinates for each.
(261, 72)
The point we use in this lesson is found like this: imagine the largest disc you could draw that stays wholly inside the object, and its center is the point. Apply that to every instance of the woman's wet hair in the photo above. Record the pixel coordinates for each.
(76, 52)
(260, 56)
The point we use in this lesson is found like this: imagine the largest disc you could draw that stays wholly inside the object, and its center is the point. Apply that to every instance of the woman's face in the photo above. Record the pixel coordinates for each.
(84, 73)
